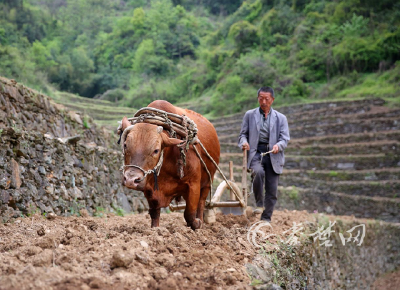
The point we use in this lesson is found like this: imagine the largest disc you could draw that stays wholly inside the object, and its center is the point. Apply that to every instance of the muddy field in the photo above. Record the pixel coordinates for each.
(125, 253)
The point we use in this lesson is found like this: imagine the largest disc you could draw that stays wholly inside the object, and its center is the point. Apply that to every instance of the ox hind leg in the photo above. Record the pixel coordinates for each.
(202, 202)
(192, 202)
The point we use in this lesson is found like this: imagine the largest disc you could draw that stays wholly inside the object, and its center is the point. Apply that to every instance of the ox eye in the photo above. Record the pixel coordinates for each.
(156, 151)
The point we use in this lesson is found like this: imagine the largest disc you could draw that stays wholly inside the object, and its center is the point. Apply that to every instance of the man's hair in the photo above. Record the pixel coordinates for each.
(266, 90)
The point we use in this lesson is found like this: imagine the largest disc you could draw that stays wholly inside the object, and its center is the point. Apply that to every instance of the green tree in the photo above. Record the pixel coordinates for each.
(244, 35)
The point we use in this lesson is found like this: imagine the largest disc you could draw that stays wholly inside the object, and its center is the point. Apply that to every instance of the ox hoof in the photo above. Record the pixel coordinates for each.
(197, 224)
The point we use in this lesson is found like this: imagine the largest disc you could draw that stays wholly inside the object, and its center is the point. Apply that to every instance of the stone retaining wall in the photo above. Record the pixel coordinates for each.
(53, 161)
(325, 261)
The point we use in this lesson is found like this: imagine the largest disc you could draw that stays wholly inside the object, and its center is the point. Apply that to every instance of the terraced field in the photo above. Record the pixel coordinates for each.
(104, 113)
(343, 158)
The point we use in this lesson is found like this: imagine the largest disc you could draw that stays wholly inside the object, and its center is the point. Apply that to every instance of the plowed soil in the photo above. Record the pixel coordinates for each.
(125, 253)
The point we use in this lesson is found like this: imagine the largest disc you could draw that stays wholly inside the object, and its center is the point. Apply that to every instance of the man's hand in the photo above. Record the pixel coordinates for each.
(245, 146)
(275, 149)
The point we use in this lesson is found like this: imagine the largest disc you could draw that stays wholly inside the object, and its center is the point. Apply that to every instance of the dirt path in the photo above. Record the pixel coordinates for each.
(125, 253)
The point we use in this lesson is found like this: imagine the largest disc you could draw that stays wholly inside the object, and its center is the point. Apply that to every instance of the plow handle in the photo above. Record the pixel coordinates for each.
(232, 197)
(244, 176)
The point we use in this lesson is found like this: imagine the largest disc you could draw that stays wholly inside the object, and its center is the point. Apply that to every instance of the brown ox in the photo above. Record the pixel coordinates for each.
(143, 146)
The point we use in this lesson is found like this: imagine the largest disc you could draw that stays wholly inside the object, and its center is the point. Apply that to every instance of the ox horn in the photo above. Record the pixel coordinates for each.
(125, 133)
(159, 129)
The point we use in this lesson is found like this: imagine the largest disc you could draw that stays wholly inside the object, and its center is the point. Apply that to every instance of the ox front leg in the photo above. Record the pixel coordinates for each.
(203, 196)
(192, 202)
(155, 217)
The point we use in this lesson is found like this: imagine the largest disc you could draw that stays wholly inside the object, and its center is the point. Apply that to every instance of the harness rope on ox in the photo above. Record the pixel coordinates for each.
(176, 125)
(183, 126)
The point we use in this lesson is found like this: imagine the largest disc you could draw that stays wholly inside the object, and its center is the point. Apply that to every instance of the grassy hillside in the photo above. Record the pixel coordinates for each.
(208, 55)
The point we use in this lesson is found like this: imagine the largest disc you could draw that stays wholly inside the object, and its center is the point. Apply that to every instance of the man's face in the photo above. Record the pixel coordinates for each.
(265, 100)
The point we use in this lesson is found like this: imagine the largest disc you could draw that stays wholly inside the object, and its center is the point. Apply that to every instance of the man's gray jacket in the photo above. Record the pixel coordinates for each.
(250, 133)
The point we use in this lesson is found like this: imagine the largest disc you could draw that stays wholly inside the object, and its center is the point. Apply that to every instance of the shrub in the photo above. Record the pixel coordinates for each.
(113, 95)
(244, 35)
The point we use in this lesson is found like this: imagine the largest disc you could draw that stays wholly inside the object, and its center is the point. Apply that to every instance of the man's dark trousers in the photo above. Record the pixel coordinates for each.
(266, 175)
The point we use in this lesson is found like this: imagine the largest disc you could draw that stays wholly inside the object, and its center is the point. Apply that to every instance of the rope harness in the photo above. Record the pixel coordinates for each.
(265, 153)
(176, 125)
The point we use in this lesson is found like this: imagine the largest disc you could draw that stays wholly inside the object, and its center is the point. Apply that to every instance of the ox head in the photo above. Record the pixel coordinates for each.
(142, 145)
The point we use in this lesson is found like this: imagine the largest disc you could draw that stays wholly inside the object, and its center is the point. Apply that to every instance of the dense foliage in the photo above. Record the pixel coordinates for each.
(213, 53)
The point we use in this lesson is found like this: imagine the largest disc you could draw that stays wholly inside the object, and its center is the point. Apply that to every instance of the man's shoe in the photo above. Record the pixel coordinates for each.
(258, 210)
(266, 220)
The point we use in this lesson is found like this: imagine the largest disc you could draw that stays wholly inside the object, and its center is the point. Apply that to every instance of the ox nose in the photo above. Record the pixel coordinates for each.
(134, 180)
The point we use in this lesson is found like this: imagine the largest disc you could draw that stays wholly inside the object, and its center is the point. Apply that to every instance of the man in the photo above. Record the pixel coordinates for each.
(263, 130)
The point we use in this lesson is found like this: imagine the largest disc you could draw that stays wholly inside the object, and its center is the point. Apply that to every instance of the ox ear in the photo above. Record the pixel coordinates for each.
(167, 142)
(125, 123)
